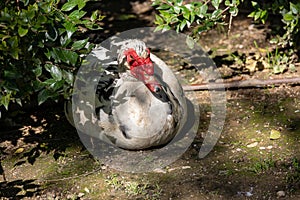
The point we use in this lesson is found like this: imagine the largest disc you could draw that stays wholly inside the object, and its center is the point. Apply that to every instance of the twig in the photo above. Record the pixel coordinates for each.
(251, 83)
(229, 25)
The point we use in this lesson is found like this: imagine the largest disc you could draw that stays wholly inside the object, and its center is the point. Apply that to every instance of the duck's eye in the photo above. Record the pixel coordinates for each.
(130, 58)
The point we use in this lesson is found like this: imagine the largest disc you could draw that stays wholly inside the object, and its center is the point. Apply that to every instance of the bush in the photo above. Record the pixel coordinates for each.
(197, 16)
(41, 46)
(290, 14)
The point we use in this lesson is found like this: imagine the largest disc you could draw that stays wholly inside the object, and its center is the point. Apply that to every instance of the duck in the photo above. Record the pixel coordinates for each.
(137, 102)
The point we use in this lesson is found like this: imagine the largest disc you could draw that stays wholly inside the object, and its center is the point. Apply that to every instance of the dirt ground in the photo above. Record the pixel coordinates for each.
(256, 157)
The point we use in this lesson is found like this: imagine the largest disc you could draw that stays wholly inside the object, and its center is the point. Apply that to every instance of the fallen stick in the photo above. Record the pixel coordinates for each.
(251, 83)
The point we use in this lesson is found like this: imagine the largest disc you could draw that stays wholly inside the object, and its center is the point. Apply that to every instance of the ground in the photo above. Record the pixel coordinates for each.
(256, 157)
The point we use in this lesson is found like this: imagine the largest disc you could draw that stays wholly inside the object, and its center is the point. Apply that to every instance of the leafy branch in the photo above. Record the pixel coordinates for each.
(41, 46)
(178, 15)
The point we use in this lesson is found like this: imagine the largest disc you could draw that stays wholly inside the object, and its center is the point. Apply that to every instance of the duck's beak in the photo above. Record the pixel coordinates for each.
(152, 84)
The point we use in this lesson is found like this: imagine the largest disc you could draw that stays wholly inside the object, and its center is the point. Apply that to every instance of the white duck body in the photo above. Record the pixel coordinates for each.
(139, 118)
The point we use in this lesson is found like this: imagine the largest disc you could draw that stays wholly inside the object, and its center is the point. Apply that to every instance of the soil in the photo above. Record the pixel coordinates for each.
(256, 157)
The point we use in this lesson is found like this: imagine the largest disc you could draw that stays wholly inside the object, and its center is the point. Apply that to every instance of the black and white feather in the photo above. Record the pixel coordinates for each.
(128, 114)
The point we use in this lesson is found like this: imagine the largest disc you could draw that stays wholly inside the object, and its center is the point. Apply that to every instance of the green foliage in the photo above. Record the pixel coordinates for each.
(281, 61)
(262, 166)
(134, 188)
(41, 46)
(178, 15)
(293, 175)
(290, 13)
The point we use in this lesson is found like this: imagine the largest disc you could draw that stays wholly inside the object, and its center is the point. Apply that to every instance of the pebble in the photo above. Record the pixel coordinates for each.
(254, 144)
(238, 149)
(159, 170)
(280, 193)
(80, 194)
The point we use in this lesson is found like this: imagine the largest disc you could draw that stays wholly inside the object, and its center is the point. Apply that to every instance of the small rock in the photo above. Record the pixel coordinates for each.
(280, 193)
(70, 196)
(80, 194)
(86, 190)
(159, 170)
(254, 144)
(186, 167)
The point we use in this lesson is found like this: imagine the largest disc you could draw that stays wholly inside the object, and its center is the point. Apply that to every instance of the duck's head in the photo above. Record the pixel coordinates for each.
(135, 56)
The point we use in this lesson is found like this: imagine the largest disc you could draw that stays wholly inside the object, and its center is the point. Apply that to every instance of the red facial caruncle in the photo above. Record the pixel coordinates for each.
(142, 69)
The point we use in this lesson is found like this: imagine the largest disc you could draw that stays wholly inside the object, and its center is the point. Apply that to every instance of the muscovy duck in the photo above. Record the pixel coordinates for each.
(139, 103)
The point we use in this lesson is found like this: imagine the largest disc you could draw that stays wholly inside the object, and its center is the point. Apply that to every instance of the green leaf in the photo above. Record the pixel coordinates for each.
(251, 14)
(216, 14)
(79, 44)
(11, 74)
(228, 3)
(66, 56)
(55, 73)
(68, 77)
(276, 69)
(264, 16)
(182, 24)
(37, 71)
(38, 85)
(192, 17)
(163, 7)
(177, 9)
(294, 8)
(274, 134)
(190, 7)
(158, 20)
(5, 100)
(186, 13)
(49, 82)
(254, 4)
(159, 28)
(234, 11)
(19, 101)
(22, 31)
(94, 15)
(166, 15)
(202, 11)
(69, 5)
(81, 4)
(43, 95)
(57, 85)
(71, 28)
(77, 14)
(288, 16)
(41, 19)
(15, 53)
(257, 15)
(166, 28)
(65, 40)
(14, 42)
(216, 3)
(25, 2)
